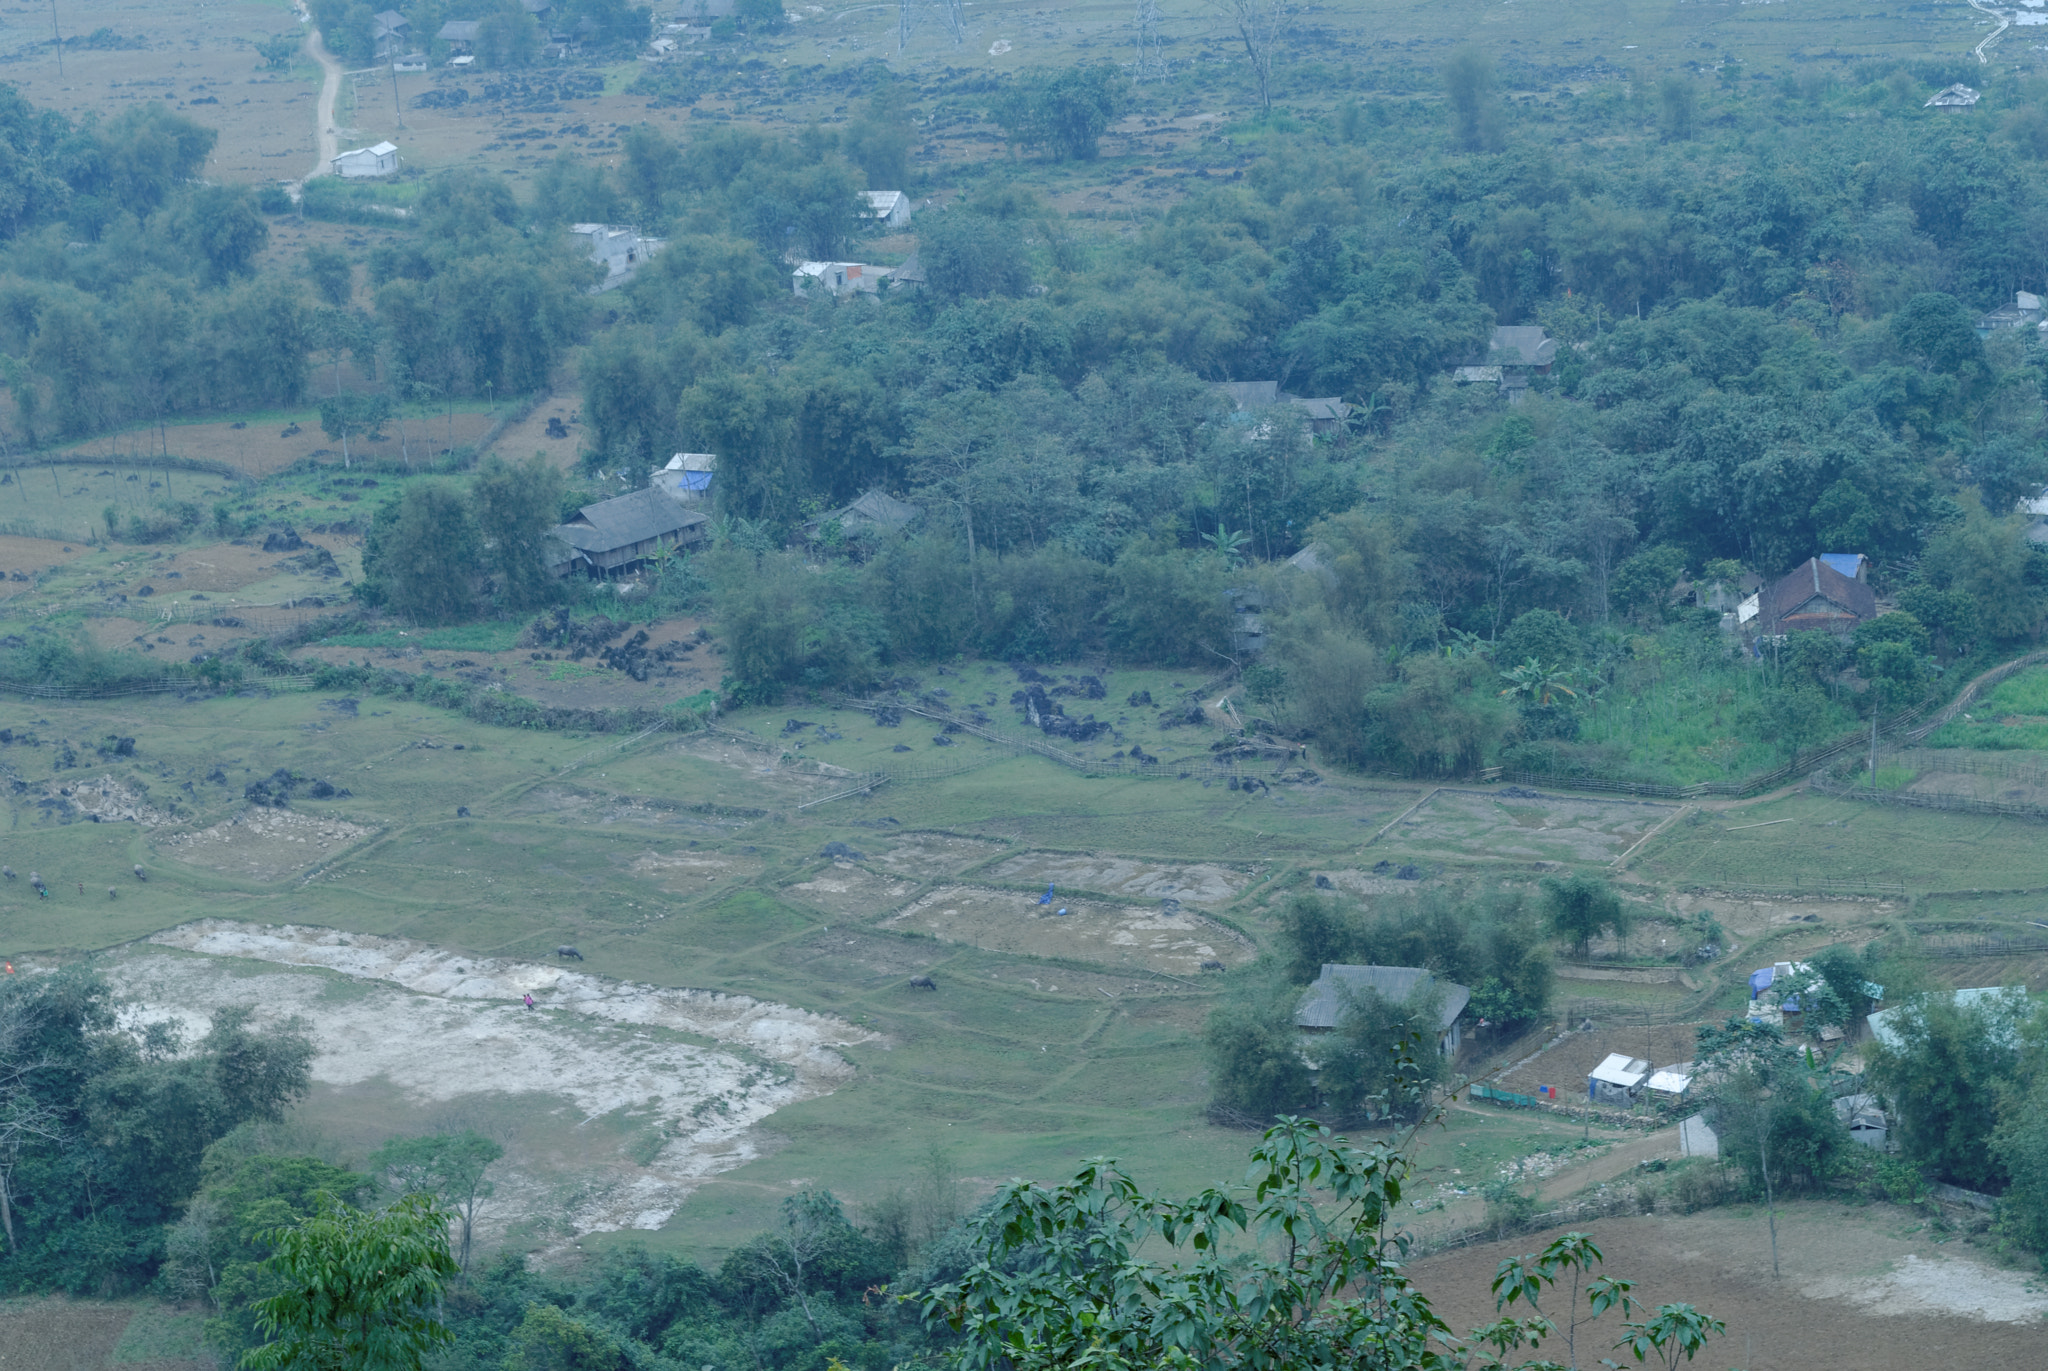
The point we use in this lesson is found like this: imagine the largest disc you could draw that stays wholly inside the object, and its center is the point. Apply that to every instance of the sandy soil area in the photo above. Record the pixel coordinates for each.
(1090, 930)
(1861, 1290)
(30, 555)
(441, 1027)
(847, 890)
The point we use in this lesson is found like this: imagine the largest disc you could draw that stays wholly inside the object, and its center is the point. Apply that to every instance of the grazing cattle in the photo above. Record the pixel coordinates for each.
(923, 983)
(567, 951)
(113, 894)
(7, 871)
(1212, 966)
(140, 874)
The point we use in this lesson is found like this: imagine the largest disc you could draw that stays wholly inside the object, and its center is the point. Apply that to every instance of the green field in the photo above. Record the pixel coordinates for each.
(1020, 1064)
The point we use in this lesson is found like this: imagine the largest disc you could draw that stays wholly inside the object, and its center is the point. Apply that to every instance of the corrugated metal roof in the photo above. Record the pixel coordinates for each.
(1323, 1004)
(1620, 1069)
(612, 524)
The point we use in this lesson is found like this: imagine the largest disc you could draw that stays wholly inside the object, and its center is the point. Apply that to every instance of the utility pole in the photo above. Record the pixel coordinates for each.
(396, 107)
(58, 35)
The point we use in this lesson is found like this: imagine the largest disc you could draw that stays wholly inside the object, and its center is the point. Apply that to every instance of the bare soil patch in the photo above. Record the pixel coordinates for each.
(1865, 1289)
(1749, 919)
(53, 1334)
(115, 801)
(30, 555)
(934, 854)
(849, 890)
(267, 844)
(1091, 930)
(694, 873)
(1133, 877)
(696, 1070)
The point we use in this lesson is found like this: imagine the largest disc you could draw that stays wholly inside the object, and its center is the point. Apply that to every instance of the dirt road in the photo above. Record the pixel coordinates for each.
(323, 112)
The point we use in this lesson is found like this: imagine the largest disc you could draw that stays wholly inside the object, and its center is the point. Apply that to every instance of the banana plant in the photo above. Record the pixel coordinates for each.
(1538, 683)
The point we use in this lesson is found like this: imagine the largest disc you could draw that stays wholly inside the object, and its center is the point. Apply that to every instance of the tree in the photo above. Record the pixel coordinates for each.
(25, 1118)
(223, 228)
(1581, 908)
(362, 1290)
(278, 50)
(419, 554)
(1260, 25)
(549, 1340)
(1298, 1268)
(343, 416)
(1382, 1059)
(1944, 1064)
(1062, 111)
(1254, 1054)
(812, 1226)
(332, 275)
(1772, 1109)
(1468, 85)
(449, 1167)
(1679, 101)
(968, 255)
(515, 505)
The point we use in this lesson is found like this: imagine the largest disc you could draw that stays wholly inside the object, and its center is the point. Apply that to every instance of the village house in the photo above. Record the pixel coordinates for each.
(1863, 1116)
(890, 209)
(687, 477)
(615, 535)
(837, 278)
(459, 34)
(865, 520)
(1325, 415)
(618, 248)
(1324, 1003)
(2025, 312)
(909, 276)
(1514, 353)
(1958, 96)
(411, 61)
(378, 160)
(1829, 594)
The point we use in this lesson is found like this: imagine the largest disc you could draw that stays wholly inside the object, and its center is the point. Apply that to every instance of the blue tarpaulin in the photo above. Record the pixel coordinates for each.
(1760, 981)
(1046, 898)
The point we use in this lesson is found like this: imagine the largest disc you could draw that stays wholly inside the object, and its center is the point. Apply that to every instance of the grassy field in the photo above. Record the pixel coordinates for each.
(685, 861)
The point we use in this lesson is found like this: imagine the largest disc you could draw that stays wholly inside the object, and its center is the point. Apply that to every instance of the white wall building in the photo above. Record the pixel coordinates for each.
(891, 208)
(619, 248)
(837, 278)
(380, 160)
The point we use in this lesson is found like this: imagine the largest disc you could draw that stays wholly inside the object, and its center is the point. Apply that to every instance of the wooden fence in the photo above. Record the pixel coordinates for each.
(167, 686)
(1906, 799)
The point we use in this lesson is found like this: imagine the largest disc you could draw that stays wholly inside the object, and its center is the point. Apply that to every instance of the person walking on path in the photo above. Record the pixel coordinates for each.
(529, 1000)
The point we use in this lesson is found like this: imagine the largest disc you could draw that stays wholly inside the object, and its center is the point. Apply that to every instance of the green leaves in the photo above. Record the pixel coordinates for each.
(361, 1290)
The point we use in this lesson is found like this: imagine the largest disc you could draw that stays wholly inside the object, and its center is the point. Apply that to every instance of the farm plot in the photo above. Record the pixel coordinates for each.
(440, 1030)
(265, 844)
(848, 890)
(1133, 877)
(934, 854)
(1565, 1063)
(1091, 930)
(573, 804)
(1874, 1287)
(1463, 823)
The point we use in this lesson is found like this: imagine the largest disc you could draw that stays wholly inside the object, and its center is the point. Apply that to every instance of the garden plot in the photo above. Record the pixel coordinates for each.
(694, 873)
(849, 890)
(1565, 1062)
(441, 1027)
(1134, 877)
(934, 854)
(1539, 828)
(1091, 930)
(267, 844)
(570, 804)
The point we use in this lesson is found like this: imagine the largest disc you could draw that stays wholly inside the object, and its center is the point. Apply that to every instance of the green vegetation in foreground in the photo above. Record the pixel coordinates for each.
(485, 637)
(2011, 717)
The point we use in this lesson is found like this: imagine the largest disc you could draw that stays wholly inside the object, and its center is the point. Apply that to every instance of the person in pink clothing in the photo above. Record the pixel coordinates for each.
(529, 1001)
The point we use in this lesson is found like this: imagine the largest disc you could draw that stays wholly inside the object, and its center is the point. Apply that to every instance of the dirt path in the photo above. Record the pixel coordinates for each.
(1608, 1165)
(323, 112)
